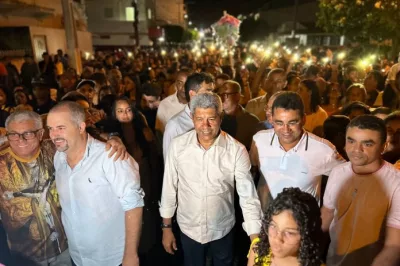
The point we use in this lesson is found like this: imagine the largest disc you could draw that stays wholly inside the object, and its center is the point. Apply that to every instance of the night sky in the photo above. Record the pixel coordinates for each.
(203, 13)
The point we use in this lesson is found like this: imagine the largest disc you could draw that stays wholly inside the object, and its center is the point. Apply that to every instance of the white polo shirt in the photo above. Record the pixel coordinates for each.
(301, 166)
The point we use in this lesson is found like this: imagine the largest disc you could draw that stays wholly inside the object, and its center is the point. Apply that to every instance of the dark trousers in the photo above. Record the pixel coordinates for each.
(221, 251)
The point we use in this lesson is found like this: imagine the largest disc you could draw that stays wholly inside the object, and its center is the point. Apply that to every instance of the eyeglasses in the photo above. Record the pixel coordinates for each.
(291, 237)
(226, 95)
(291, 124)
(26, 135)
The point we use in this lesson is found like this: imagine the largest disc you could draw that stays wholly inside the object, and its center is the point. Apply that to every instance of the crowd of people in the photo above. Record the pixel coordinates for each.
(200, 156)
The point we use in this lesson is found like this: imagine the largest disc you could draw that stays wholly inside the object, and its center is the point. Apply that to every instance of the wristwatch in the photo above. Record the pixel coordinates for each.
(163, 225)
(112, 134)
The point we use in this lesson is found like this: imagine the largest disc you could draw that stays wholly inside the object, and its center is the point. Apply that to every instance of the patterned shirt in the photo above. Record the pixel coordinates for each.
(29, 204)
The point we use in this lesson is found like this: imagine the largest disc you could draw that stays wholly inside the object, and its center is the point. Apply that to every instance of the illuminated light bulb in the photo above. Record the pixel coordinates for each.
(276, 44)
(163, 52)
(341, 55)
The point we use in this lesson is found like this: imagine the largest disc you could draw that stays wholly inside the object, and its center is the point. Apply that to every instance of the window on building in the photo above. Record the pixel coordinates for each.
(149, 13)
(108, 12)
(130, 13)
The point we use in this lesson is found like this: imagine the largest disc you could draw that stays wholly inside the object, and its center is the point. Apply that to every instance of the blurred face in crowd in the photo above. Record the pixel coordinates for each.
(207, 124)
(41, 93)
(67, 82)
(288, 125)
(180, 84)
(356, 94)
(294, 84)
(283, 235)
(275, 82)
(104, 92)
(20, 98)
(129, 84)
(150, 102)
(28, 146)
(123, 111)
(370, 83)
(230, 97)
(88, 91)
(3, 97)
(356, 112)
(393, 134)
(353, 76)
(363, 146)
(204, 87)
(218, 83)
(64, 131)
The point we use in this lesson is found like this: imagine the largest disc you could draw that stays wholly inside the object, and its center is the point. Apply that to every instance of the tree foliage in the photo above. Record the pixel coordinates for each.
(361, 20)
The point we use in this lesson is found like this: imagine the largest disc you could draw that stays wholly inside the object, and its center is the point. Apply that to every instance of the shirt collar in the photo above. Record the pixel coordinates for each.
(304, 137)
(87, 151)
(219, 141)
(187, 110)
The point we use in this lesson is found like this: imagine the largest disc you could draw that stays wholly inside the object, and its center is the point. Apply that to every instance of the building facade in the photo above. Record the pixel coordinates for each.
(112, 22)
(36, 26)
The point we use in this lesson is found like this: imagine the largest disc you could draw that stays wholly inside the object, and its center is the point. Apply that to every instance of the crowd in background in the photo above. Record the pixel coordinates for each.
(152, 91)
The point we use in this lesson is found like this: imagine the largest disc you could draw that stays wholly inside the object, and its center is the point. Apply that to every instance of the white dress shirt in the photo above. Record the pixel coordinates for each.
(200, 184)
(180, 123)
(168, 107)
(94, 196)
(301, 166)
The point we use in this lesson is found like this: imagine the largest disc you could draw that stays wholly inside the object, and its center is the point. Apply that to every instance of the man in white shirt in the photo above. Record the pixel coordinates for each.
(275, 81)
(202, 169)
(289, 156)
(174, 103)
(182, 122)
(101, 200)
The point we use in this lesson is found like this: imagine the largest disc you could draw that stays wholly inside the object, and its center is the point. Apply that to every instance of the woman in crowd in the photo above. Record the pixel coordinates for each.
(132, 87)
(315, 115)
(291, 232)
(356, 93)
(132, 127)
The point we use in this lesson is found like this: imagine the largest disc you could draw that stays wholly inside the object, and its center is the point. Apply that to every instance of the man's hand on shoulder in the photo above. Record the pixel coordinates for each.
(115, 146)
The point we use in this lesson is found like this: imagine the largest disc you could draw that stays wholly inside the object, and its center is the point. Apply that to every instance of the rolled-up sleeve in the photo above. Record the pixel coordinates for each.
(124, 179)
(170, 184)
(246, 190)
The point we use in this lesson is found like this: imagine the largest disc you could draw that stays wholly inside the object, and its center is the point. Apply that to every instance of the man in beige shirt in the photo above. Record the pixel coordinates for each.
(275, 81)
(202, 167)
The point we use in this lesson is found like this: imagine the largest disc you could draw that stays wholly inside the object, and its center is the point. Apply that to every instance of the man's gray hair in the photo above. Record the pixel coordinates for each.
(206, 100)
(76, 111)
(24, 115)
